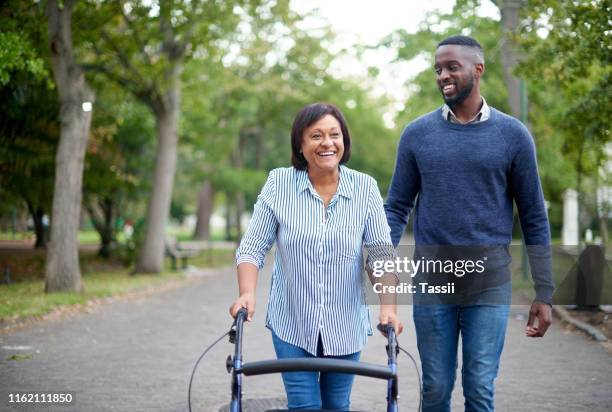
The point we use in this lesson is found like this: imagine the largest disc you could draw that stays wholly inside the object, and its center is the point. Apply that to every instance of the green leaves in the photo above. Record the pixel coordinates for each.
(17, 54)
(568, 53)
(248, 181)
(23, 41)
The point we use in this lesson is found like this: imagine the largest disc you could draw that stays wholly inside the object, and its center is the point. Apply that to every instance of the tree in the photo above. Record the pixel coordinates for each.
(62, 272)
(566, 44)
(115, 154)
(245, 109)
(204, 212)
(28, 125)
(29, 133)
(226, 136)
(18, 53)
(118, 166)
(144, 48)
(568, 55)
(510, 20)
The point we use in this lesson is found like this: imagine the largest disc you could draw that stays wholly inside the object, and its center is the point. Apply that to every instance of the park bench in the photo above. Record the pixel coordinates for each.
(174, 251)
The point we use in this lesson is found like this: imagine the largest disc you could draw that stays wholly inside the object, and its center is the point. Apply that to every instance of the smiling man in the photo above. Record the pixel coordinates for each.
(461, 167)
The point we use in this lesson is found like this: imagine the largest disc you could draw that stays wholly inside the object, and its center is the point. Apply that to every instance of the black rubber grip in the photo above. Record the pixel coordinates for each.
(316, 365)
(242, 312)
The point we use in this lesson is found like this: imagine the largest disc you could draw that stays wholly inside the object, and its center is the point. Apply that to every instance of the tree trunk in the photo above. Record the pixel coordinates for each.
(151, 259)
(601, 207)
(260, 148)
(39, 228)
(603, 229)
(205, 206)
(62, 272)
(228, 217)
(239, 213)
(104, 224)
(21, 222)
(509, 19)
(239, 165)
(108, 233)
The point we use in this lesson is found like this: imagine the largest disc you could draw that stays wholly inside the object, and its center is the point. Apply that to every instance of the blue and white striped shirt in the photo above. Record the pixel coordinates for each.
(317, 280)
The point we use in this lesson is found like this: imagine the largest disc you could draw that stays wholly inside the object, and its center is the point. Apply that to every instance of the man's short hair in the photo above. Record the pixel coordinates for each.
(464, 41)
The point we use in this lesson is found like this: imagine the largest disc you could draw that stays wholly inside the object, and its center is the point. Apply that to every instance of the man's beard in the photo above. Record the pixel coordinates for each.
(461, 95)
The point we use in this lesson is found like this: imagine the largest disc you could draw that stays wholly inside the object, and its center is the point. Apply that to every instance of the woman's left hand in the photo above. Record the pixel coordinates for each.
(388, 314)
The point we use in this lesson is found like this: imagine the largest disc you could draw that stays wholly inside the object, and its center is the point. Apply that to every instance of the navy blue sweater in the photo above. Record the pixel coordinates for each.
(463, 180)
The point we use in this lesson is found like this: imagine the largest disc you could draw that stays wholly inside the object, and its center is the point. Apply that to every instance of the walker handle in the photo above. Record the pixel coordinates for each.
(392, 347)
(236, 328)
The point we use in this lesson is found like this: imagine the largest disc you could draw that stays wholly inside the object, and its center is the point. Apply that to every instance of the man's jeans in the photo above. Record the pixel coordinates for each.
(314, 390)
(482, 328)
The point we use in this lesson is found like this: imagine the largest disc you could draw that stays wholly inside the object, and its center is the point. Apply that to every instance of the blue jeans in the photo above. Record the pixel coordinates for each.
(482, 328)
(314, 390)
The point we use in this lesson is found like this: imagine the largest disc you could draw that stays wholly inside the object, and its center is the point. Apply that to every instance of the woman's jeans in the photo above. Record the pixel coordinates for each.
(314, 390)
(482, 328)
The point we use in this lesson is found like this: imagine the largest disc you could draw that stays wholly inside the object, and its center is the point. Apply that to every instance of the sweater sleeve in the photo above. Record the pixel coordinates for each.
(405, 186)
(527, 192)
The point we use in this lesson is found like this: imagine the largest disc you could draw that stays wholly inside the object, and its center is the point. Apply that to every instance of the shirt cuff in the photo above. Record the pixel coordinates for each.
(248, 259)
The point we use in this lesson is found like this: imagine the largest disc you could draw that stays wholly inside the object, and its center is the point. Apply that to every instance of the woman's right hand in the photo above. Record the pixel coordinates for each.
(246, 300)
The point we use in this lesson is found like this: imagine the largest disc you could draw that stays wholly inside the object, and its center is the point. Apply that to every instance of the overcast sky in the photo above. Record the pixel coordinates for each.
(368, 21)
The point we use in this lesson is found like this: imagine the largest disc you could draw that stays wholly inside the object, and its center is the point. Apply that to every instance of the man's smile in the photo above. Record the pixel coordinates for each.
(448, 88)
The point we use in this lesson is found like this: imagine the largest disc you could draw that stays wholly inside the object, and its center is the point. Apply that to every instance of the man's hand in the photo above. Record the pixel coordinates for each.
(246, 300)
(543, 313)
(388, 315)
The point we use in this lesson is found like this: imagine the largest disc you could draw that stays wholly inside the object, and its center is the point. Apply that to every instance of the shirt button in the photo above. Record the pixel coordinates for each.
(320, 284)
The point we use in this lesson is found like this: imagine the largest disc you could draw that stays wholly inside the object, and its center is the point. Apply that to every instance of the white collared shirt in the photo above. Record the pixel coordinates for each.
(481, 116)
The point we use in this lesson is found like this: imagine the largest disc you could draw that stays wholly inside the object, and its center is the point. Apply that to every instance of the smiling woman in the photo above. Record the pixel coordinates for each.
(320, 142)
(321, 215)
(322, 145)
(312, 126)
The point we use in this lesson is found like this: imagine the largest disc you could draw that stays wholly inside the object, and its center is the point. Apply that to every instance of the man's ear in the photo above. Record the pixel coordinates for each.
(479, 69)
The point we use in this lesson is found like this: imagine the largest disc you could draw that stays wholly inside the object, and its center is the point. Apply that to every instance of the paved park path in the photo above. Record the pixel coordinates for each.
(137, 355)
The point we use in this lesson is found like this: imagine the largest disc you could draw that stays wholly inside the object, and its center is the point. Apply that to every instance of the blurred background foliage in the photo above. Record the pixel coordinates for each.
(248, 74)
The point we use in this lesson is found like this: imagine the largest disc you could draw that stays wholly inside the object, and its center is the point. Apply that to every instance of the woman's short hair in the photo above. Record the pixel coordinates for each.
(305, 118)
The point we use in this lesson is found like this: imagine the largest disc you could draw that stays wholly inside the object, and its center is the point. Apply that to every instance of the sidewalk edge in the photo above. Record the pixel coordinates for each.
(585, 327)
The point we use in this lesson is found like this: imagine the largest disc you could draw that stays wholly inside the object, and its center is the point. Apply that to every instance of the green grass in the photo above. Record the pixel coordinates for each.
(85, 237)
(213, 258)
(29, 235)
(89, 237)
(19, 357)
(25, 297)
(181, 234)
